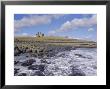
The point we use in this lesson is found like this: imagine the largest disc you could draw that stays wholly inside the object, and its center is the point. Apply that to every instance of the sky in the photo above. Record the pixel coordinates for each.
(80, 26)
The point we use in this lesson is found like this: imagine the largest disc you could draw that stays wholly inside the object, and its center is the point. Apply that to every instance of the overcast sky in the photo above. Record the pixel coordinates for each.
(82, 26)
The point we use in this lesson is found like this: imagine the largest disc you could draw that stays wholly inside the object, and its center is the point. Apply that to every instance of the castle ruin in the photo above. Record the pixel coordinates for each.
(39, 34)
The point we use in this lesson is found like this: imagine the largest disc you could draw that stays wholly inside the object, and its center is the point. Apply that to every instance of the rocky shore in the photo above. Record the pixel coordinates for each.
(48, 61)
(42, 52)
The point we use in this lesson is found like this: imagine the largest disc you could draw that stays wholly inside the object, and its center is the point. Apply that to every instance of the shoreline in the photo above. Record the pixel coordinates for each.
(44, 50)
(68, 61)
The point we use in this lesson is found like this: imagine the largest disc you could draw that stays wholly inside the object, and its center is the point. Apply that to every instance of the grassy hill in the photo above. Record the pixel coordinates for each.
(51, 40)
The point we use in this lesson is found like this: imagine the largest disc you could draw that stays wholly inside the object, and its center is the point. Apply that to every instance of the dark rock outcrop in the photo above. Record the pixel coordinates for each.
(22, 74)
(28, 62)
(16, 70)
(38, 73)
(87, 56)
(77, 72)
(17, 51)
(16, 62)
(37, 67)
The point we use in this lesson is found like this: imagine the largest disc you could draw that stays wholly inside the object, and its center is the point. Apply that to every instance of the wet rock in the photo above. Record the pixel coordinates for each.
(51, 54)
(28, 50)
(77, 72)
(68, 48)
(17, 51)
(16, 70)
(41, 67)
(94, 66)
(27, 56)
(41, 50)
(28, 62)
(34, 55)
(43, 61)
(85, 56)
(63, 55)
(38, 73)
(22, 74)
(40, 55)
(33, 67)
(37, 67)
(79, 55)
(16, 62)
(74, 48)
(88, 56)
(50, 74)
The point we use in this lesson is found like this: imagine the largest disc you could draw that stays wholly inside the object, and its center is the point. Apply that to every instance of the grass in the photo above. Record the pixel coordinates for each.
(51, 40)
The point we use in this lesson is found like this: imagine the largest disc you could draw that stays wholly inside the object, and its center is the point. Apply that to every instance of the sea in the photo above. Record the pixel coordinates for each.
(77, 62)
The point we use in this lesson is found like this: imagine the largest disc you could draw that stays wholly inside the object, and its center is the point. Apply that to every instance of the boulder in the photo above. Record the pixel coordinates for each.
(17, 52)
(16, 62)
(38, 73)
(43, 61)
(16, 70)
(77, 72)
(33, 67)
(80, 55)
(37, 67)
(68, 48)
(22, 74)
(28, 62)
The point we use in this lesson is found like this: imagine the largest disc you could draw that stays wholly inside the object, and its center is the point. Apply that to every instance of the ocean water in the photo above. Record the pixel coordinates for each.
(82, 61)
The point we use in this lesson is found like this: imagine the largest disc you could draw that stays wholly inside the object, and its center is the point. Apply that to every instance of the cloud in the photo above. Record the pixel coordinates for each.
(52, 32)
(88, 37)
(33, 20)
(90, 29)
(77, 23)
(24, 34)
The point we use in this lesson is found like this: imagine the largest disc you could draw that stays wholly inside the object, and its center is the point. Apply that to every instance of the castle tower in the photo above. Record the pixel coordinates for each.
(39, 34)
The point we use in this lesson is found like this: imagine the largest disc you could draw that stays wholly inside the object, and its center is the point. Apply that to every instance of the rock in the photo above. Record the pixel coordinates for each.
(37, 67)
(94, 66)
(68, 48)
(41, 67)
(38, 73)
(85, 56)
(16, 70)
(40, 55)
(23, 50)
(50, 74)
(63, 55)
(74, 48)
(28, 62)
(51, 54)
(43, 61)
(16, 62)
(33, 67)
(17, 52)
(16, 48)
(27, 56)
(79, 55)
(77, 72)
(34, 55)
(41, 50)
(88, 56)
(22, 74)
(28, 50)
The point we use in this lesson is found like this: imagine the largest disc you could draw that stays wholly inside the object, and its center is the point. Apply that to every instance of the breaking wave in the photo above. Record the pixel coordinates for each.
(78, 62)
